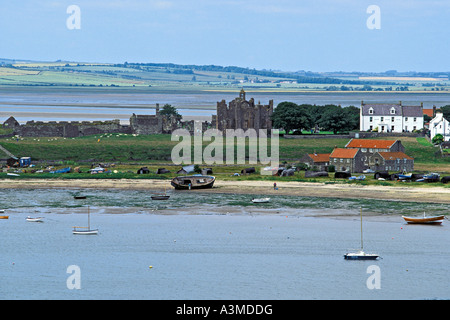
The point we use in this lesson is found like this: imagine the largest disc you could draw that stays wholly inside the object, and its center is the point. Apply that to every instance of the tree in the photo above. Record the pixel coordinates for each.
(446, 111)
(290, 116)
(438, 139)
(170, 111)
(352, 115)
(333, 119)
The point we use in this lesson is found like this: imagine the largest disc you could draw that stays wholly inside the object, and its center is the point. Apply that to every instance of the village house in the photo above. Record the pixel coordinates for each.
(388, 117)
(319, 160)
(393, 161)
(439, 125)
(369, 147)
(350, 160)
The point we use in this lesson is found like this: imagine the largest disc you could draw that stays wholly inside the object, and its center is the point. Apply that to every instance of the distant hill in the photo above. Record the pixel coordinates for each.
(15, 72)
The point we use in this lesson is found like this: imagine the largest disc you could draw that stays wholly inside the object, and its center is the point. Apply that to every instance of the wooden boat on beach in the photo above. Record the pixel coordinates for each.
(424, 219)
(196, 181)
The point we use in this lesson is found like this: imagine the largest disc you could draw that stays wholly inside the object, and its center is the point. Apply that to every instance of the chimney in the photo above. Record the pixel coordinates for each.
(157, 109)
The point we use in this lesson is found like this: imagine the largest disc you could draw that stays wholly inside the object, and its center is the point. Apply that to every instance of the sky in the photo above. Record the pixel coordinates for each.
(288, 35)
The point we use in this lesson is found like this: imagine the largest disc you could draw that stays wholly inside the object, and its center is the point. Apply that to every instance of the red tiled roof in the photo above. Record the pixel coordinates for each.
(320, 157)
(394, 155)
(344, 153)
(370, 143)
(428, 112)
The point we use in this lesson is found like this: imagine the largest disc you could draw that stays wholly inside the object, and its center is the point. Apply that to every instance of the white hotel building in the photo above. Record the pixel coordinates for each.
(388, 117)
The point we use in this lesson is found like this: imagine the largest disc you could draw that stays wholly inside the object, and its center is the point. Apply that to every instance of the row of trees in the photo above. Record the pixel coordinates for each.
(291, 116)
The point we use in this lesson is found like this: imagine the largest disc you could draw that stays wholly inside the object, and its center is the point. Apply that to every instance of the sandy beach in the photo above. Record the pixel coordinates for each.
(349, 191)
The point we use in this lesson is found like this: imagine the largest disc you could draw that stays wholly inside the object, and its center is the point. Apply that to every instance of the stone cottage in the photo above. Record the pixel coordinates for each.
(393, 161)
(350, 160)
(319, 160)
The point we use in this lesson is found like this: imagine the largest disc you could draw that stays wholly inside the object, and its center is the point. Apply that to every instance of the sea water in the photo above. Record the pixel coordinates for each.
(174, 251)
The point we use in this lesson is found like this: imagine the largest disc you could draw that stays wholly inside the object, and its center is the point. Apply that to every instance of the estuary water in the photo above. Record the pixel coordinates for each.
(215, 247)
(88, 106)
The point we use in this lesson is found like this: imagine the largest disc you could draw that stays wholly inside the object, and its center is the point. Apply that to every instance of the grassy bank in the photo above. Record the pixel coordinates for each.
(127, 153)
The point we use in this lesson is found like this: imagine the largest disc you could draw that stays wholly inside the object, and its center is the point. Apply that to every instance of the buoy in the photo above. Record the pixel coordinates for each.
(150, 267)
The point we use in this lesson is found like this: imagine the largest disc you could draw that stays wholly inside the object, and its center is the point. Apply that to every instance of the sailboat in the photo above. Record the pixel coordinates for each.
(88, 230)
(360, 255)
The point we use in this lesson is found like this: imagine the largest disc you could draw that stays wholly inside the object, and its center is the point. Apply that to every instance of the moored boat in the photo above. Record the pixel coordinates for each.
(85, 230)
(4, 217)
(360, 255)
(193, 182)
(38, 219)
(261, 200)
(424, 219)
(160, 197)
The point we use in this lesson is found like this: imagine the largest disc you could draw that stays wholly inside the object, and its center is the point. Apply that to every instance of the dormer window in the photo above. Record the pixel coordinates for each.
(392, 110)
(371, 111)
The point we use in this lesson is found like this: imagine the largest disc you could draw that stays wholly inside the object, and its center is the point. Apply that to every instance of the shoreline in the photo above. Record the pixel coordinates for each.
(289, 188)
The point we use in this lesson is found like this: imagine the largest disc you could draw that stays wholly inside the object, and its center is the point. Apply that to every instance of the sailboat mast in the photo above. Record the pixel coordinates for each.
(361, 230)
(89, 220)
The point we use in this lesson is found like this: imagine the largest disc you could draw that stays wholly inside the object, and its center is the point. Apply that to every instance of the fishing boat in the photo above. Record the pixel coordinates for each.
(160, 196)
(424, 219)
(38, 219)
(261, 200)
(88, 230)
(196, 181)
(361, 255)
(4, 217)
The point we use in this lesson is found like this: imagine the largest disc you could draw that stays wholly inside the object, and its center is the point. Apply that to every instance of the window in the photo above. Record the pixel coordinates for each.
(406, 118)
(392, 119)
(371, 111)
(370, 119)
(392, 128)
(382, 119)
(415, 119)
(392, 110)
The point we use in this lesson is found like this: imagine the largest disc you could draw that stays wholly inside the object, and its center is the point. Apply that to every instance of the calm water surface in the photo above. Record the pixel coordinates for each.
(107, 106)
(277, 251)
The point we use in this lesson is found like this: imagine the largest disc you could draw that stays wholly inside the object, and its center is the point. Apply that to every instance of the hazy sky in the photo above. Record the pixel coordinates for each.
(315, 35)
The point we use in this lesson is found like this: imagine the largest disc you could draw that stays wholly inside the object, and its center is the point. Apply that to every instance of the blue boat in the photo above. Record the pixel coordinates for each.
(65, 170)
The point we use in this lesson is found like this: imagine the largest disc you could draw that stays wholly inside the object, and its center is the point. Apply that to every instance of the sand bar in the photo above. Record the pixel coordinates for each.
(424, 194)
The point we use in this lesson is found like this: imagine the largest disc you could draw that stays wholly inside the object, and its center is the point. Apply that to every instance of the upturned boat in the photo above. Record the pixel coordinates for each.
(424, 219)
(261, 200)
